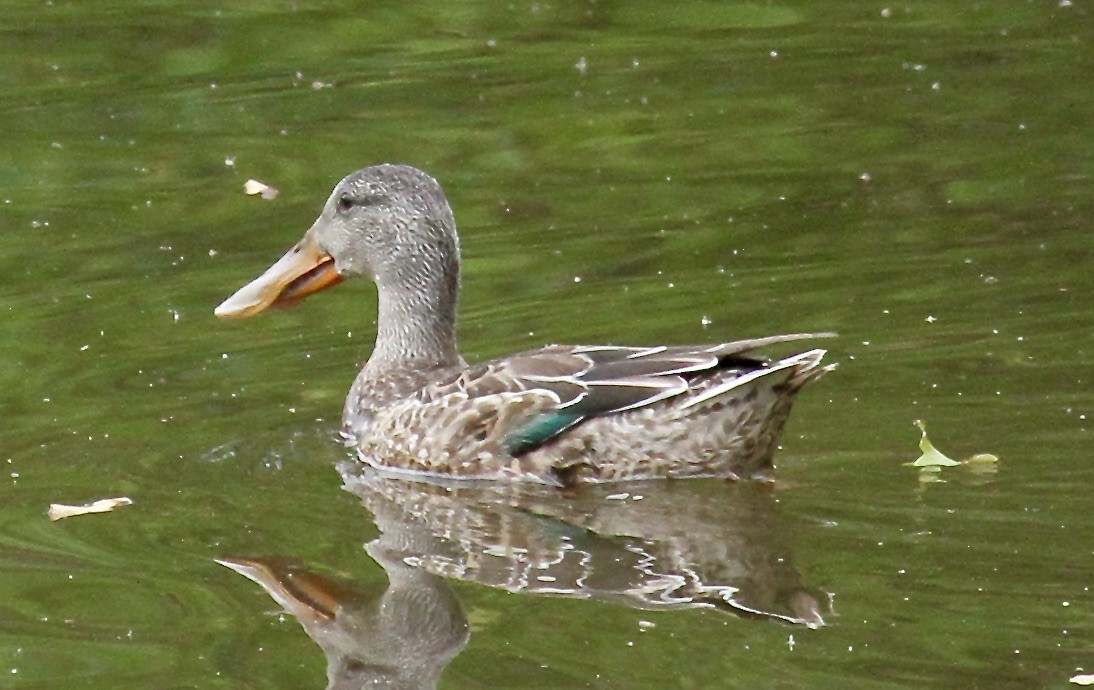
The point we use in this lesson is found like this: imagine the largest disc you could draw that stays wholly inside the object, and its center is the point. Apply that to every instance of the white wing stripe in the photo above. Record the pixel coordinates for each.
(648, 382)
(656, 349)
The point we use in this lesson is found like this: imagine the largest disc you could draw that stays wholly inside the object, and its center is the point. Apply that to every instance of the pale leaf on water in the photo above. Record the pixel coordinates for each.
(253, 187)
(931, 457)
(103, 505)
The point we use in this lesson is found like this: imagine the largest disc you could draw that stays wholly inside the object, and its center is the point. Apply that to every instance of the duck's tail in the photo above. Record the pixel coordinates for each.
(802, 369)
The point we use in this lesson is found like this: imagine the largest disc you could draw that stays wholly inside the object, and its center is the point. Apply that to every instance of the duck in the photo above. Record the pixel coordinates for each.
(560, 414)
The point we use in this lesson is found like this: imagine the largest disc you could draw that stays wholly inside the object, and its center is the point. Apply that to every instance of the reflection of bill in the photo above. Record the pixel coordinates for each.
(401, 638)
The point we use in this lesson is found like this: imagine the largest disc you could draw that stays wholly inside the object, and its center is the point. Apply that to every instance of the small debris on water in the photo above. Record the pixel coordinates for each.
(58, 511)
(254, 187)
(932, 458)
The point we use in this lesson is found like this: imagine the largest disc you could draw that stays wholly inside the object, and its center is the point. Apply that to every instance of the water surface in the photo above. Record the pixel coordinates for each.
(915, 177)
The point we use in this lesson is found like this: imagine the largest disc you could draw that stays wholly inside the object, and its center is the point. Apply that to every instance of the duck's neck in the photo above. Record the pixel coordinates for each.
(416, 327)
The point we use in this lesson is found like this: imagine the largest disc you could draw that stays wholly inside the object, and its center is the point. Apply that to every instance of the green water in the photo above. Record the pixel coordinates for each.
(917, 177)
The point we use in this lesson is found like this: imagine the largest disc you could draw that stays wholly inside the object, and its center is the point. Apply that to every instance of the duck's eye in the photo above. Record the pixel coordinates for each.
(345, 203)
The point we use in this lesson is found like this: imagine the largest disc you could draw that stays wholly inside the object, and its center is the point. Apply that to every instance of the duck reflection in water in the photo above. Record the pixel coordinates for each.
(401, 638)
(651, 546)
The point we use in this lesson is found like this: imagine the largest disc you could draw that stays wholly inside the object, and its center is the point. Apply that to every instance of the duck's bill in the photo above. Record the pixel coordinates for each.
(303, 270)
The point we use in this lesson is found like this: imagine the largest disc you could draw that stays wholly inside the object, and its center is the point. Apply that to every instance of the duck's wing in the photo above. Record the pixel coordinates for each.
(560, 386)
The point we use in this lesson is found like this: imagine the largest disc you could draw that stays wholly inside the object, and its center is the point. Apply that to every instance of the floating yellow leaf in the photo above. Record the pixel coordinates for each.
(931, 457)
(103, 505)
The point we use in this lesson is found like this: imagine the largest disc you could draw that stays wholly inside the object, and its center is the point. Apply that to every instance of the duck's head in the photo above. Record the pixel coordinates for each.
(390, 223)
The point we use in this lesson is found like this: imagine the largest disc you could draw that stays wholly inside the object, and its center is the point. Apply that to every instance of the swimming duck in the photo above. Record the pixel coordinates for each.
(561, 414)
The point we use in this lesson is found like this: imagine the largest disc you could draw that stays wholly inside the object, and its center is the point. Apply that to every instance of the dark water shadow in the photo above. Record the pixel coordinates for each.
(646, 545)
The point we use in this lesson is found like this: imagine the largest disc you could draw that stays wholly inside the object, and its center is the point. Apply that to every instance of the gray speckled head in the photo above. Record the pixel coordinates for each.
(392, 224)
(382, 221)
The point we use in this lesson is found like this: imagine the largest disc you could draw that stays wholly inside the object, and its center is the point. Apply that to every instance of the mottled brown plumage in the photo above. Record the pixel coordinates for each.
(561, 414)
